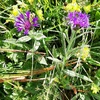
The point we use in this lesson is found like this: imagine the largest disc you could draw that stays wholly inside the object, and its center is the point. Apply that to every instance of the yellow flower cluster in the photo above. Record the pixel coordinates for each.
(87, 8)
(72, 6)
(40, 14)
(22, 4)
(31, 1)
(95, 88)
(15, 10)
(84, 52)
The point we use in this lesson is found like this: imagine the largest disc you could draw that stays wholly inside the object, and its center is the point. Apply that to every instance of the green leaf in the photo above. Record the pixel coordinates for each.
(43, 61)
(74, 74)
(10, 40)
(7, 87)
(14, 42)
(54, 51)
(76, 96)
(28, 56)
(54, 59)
(98, 73)
(93, 62)
(13, 56)
(24, 39)
(37, 35)
(82, 97)
(97, 15)
(36, 45)
(96, 96)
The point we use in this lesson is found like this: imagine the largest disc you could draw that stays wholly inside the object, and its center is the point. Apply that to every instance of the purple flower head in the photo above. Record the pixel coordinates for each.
(78, 19)
(35, 22)
(22, 22)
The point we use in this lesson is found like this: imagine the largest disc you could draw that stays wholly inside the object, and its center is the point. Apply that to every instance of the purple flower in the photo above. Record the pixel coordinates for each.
(78, 19)
(23, 22)
(35, 22)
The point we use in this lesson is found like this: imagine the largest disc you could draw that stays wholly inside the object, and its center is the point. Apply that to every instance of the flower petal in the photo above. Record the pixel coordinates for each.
(35, 22)
(26, 32)
(28, 14)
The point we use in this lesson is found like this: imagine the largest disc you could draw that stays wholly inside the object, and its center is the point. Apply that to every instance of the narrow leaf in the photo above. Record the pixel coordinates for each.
(24, 39)
(54, 59)
(74, 74)
(37, 35)
(36, 45)
(43, 61)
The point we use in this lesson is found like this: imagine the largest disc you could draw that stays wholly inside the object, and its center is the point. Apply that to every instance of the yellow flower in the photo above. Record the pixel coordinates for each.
(95, 88)
(10, 19)
(87, 8)
(73, 1)
(56, 80)
(84, 52)
(40, 14)
(22, 5)
(31, 1)
(72, 6)
(13, 13)
(15, 10)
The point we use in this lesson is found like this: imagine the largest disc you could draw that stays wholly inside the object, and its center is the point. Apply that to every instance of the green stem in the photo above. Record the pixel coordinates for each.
(63, 41)
(71, 42)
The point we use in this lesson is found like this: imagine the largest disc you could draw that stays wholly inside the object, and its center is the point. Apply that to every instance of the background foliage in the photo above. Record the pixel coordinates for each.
(54, 61)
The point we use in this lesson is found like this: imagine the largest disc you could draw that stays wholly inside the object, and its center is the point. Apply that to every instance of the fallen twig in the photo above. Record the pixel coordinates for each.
(22, 76)
(21, 51)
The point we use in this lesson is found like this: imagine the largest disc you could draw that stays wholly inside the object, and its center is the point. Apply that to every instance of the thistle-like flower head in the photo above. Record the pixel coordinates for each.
(78, 19)
(23, 22)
